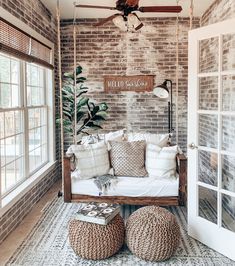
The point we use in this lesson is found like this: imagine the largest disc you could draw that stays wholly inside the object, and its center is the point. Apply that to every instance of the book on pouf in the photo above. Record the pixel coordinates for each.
(99, 213)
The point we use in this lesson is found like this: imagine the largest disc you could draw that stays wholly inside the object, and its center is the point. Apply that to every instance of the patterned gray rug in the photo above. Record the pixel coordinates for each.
(47, 244)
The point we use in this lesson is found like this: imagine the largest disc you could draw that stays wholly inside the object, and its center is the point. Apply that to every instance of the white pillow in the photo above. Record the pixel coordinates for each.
(91, 160)
(95, 138)
(157, 139)
(161, 162)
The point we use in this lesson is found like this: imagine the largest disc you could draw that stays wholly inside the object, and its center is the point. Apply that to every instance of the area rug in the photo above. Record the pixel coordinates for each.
(47, 244)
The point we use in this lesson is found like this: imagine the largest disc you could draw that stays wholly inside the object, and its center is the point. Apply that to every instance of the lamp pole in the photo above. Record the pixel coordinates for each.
(170, 109)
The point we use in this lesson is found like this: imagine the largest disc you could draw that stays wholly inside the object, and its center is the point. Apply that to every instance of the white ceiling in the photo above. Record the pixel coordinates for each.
(67, 7)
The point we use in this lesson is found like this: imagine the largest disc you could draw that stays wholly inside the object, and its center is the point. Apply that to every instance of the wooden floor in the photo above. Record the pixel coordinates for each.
(11, 243)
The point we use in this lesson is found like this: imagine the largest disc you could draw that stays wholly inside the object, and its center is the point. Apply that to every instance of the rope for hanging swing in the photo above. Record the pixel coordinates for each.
(177, 76)
(191, 9)
(74, 71)
(60, 90)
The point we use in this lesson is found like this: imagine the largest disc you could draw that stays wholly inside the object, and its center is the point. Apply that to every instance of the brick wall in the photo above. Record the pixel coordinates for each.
(106, 50)
(34, 14)
(219, 10)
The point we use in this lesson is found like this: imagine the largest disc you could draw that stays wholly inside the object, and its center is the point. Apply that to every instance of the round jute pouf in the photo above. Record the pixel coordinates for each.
(95, 242)
(152, 233)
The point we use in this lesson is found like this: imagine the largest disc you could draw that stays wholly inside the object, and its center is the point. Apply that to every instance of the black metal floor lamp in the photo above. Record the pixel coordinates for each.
(162, 91)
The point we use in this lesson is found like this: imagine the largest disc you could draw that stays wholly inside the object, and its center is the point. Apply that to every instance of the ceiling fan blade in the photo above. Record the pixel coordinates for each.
(161, 9)
(98, 7)
(103, 21)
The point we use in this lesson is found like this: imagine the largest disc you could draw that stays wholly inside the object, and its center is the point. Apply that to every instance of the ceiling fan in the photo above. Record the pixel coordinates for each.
(128, 17)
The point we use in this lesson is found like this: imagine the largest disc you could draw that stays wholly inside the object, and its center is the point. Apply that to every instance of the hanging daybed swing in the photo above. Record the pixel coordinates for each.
(181, 160)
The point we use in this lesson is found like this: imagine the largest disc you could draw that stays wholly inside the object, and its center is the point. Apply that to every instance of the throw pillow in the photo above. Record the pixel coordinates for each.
(91, 160)
(95, 138)
(128, 158)
(157, 139)
(161, 162)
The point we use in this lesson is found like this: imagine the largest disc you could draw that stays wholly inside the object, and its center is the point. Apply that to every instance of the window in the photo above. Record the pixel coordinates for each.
(25, 109)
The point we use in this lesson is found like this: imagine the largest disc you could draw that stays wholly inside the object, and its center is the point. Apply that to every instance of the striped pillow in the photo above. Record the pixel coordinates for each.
(91, 160)
(161, 162)
(128, 158)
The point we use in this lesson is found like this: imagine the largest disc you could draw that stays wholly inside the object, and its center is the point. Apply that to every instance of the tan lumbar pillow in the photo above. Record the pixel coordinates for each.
(128, 158)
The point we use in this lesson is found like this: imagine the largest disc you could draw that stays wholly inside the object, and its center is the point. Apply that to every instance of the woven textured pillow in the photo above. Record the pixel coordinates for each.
(158, 139)
(128, 158)
(161, 162)
(91, 160)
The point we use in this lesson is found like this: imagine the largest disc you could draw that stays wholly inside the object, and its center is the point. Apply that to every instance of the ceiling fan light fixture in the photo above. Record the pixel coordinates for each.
(134, 22)
(119, 22)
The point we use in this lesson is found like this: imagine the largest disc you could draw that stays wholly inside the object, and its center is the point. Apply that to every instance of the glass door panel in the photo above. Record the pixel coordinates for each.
(208, 93)
(207, 204)
(208, 55)
(228, 93)
(228, 212)
(228, 173)
(207, 167)
(208, 130)
(228, 52)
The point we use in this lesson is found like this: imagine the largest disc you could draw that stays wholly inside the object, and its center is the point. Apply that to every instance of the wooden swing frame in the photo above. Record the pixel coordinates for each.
(181, 160)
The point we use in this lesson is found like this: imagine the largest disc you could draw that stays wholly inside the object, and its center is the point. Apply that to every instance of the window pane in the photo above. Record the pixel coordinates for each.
(228, 212)
(228, 173)
(208, 130)
(19, 169)
(2, 152)
(35, 85)
(209, 60)
(228, 87)
(228, 133)
(9, 123)
(15, 96)
(10, 149)
(208, 167)
(3, 180)
(15, 71)
(1, 125)
(5, 95)
(207, 204)
(10, 175)
(4, 69)
(31, 161)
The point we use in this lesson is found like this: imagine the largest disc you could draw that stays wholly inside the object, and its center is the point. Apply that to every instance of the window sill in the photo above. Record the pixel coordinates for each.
(21, 190)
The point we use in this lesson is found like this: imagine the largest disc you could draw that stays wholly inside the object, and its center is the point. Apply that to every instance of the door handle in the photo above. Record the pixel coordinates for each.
(192, 146)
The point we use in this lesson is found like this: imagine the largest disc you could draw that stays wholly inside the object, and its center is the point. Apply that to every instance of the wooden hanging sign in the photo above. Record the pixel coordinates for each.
(138, 83)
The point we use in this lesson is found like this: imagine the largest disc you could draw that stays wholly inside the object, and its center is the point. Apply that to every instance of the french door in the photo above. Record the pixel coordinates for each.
(211, 136)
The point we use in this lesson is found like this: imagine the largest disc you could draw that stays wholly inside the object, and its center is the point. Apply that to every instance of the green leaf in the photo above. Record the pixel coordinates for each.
(92, 125)
(78, 70)
(98, 118)
(83, 101)
(103, 106)
(102, 113)
(80, 80)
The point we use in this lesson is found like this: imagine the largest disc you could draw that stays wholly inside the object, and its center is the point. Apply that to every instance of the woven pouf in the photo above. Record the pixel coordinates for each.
(94, 241)
(152, 233)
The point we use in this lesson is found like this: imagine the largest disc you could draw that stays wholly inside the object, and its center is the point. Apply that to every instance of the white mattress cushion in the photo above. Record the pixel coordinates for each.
(130, 187)
(91, 160)
(158, 139)
(160, 162)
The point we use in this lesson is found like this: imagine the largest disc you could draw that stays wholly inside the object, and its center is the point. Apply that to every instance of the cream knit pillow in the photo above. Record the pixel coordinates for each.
(161, 162)
(91, 160)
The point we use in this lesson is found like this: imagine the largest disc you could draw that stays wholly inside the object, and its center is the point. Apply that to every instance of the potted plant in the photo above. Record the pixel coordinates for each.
(80, 114)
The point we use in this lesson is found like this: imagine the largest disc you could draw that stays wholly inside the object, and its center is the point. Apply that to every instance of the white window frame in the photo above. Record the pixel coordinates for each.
(11, 198)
